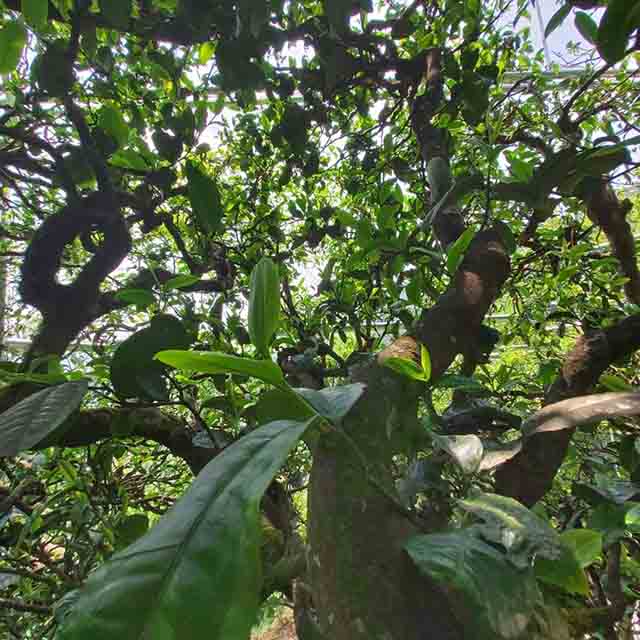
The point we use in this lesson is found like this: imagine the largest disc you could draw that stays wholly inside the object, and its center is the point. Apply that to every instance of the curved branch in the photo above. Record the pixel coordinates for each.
(529, 475)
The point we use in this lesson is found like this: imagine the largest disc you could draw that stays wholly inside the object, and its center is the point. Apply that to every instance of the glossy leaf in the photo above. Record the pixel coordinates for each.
(35, 12)
(405, 367)
(457, 250)
(216, 362)
(13, 38)
(38, 416)
(502, 597)
(425, 361)
(264, 304)
(205, 199)
(197, 572)
(333, 403)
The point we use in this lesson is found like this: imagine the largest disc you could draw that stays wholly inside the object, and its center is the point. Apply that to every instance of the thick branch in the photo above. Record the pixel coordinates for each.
(529, 475)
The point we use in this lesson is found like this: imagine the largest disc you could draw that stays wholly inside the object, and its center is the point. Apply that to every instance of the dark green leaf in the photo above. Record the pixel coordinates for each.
(264, 304)
(36, 417)
(134, 372)
(338, 12)
(557, 19)
(13, 38)
(35, 12)
(519, 530)
(205, 199)
(196, 573)
(116, 12)
(53, 71)
(616, 25)
(586, 26)
(140, 297)
(215, 362)
(276, 404)
(502, 598)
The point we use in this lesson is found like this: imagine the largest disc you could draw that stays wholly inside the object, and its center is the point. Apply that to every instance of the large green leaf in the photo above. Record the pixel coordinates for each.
(116, 12)
(205, 199)
(616, 25)
(197, 573)
(502, 597)
(31, 420)
(13, 38)
(134, 372)
(216, 362)
(586, 544)
(264, 304)
(35, 12)
(564, 571)
(333, 403)
(518, 529)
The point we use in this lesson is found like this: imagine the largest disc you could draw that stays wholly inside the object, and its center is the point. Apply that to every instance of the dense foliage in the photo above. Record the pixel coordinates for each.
(337, 303)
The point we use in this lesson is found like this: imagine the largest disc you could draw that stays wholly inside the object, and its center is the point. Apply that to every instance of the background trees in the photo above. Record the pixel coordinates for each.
(445, 225)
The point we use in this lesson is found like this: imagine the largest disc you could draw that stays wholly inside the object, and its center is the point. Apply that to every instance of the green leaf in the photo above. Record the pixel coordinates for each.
(632, 518)
(13, 38)
(276, 404)
(134, 372)
(563, 571)
(586, 545)
(205, 199)
(197, 572)
(406, 367)
(110, 120)
(587, 27)
(140, 297)
(35, 12)
(557, 19)
(502, 598)
(425, 361)
(38, 416)
(506, 235)
(264, 304)
(457, 250)
(615, 383)
(467, 451)
(116, 12)
(333, 403)
(518, 529)
(463, 383)
(616, 25)
(216, 363)
(52, 70)
(181, 281)
(130, 529)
